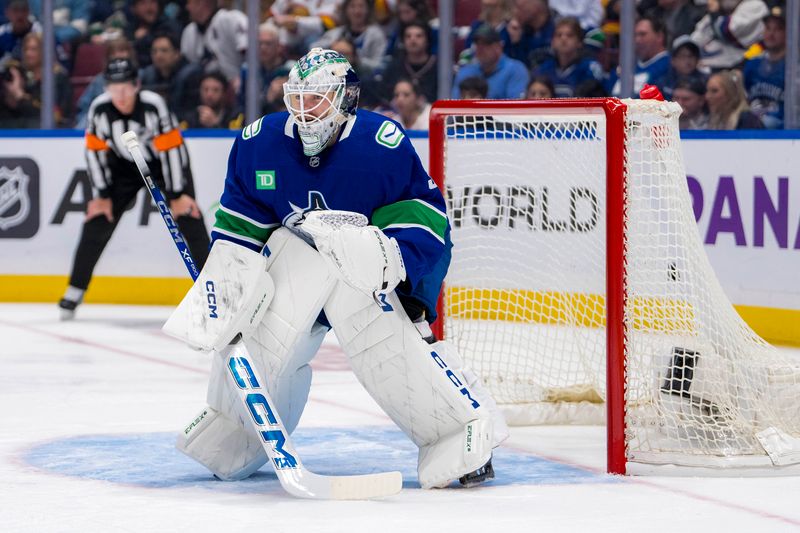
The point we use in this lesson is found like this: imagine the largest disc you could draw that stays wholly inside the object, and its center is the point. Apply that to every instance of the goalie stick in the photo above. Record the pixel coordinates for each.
(293, 476)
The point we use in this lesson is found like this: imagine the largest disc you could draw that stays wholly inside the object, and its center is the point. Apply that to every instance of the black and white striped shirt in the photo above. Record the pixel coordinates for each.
(161, 141)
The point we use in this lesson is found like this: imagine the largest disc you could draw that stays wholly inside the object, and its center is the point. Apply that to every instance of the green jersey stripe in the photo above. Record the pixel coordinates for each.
(229, 223)
(418, 226)
(411, 213)
(245, 218)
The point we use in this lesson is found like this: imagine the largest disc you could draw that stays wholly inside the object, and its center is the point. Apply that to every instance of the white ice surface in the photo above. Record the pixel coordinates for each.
(90, 410)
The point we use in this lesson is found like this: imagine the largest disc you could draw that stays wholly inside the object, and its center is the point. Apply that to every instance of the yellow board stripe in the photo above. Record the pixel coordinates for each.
(525, 306)
(780, 326)
(104, 289)
(573, 309)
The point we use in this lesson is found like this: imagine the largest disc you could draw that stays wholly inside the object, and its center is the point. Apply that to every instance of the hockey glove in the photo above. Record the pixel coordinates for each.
(366, 258)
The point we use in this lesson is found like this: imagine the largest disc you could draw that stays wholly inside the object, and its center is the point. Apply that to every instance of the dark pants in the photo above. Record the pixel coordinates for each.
(97, 232)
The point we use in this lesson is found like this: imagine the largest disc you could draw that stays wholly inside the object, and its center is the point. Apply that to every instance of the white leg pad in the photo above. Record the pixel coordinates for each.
(281, 347)
(449, 354)
(430, 401)
(455, 454)
(288, 383)
(222, 446)
(288, 337)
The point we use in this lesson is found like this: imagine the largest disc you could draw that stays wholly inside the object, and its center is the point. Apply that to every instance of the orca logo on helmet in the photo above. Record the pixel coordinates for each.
(311, 61)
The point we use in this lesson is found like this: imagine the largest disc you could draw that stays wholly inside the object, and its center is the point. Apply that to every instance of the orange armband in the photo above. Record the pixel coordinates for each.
(167, 141)
(95, 143)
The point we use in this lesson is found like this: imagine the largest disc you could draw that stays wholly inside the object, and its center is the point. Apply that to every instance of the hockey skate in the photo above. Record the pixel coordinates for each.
(67, 309)
(478, 476)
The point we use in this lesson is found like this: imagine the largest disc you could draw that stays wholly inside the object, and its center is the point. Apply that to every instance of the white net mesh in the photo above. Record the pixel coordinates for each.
(525, 302)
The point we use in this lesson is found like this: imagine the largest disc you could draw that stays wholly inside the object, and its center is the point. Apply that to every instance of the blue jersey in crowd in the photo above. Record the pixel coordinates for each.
(11, 43)
(567, 79)
(765, 82)
(531, 44)
(508, 81)
(372, 169)
(654, 71)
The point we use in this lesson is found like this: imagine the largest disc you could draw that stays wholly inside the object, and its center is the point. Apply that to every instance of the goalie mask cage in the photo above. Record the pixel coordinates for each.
(579, 290)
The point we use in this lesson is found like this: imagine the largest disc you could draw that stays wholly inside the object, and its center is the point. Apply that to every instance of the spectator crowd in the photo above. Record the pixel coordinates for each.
(723, 61)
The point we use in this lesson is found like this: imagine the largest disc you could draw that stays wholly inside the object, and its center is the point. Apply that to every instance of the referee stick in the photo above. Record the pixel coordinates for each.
(294, 478)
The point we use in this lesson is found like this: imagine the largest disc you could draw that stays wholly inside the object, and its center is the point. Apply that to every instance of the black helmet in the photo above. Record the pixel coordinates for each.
(120, 70)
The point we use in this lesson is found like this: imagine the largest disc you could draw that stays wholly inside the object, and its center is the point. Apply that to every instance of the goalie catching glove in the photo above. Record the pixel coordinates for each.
(366, 258)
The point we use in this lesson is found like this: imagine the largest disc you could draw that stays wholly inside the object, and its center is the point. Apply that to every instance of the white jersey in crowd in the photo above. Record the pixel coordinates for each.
(221, 45)
(724, 39)
(370, 45)
(588, 12)
(314, 17)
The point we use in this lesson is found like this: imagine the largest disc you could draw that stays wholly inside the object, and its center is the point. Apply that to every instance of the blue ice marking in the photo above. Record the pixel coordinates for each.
(150, 460)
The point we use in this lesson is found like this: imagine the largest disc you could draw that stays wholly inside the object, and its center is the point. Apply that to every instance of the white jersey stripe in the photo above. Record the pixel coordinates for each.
(431, 207)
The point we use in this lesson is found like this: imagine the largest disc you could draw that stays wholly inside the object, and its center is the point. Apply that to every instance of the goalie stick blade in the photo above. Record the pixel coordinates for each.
(307, 484)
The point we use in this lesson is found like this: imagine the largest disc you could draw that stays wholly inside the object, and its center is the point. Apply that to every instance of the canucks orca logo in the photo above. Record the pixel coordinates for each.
(313, 61)
(295, 219)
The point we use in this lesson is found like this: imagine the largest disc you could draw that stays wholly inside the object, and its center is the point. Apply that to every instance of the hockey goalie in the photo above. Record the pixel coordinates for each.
(328, 220)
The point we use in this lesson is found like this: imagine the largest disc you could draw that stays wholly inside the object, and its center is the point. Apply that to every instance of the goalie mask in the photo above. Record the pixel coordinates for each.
(321, 93)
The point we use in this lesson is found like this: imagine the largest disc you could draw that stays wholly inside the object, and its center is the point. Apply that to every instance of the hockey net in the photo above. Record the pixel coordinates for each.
(567, 216)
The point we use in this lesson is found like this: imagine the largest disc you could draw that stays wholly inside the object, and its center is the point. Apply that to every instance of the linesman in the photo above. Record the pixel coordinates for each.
(115, 179)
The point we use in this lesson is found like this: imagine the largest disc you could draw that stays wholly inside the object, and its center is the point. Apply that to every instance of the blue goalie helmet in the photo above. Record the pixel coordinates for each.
(321, 94)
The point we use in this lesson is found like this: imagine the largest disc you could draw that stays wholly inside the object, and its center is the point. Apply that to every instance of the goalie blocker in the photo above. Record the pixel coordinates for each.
(439, 405)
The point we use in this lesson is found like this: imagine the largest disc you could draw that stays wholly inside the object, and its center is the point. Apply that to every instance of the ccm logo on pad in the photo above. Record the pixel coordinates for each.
(454, 380)
(211, 296)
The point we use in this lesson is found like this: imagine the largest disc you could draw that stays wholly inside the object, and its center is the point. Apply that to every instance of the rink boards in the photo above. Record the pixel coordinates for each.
(746, 193)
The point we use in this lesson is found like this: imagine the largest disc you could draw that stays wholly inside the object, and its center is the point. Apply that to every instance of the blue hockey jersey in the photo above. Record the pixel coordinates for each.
(654, 71)
(764, 82)
(372, 169)
(567, 79)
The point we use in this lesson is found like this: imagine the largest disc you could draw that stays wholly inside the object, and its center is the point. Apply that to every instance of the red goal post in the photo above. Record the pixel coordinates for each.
(614, 111)
(650, 339)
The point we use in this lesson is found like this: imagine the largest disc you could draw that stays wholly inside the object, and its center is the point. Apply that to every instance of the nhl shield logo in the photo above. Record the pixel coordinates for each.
(19, 198)
(13, 192)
